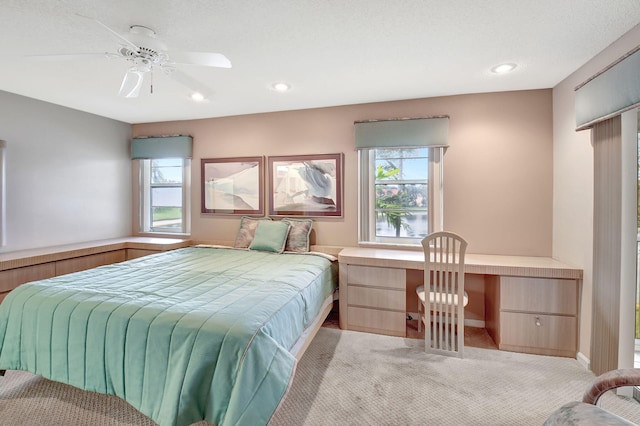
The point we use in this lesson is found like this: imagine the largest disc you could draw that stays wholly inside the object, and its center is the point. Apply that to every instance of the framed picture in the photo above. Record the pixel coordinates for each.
(233, 185)
(305, 185)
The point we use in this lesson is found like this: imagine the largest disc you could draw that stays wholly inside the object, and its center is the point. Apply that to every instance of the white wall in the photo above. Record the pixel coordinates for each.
(68, 174)
(573, 178)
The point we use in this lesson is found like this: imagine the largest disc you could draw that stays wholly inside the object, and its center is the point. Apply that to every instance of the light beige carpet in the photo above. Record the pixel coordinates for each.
(351, 378)
(366, 379)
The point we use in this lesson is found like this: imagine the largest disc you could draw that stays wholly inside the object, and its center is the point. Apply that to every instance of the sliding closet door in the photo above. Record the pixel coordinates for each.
(607, 146)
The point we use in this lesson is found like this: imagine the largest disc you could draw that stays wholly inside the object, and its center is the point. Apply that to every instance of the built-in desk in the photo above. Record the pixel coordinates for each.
(19, 267)
(530, 303)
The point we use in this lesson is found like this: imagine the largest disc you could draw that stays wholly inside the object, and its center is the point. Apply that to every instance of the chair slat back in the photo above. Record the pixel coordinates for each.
(444, 254)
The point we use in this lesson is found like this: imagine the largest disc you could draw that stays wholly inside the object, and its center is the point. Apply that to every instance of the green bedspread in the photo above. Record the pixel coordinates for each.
(191, 334)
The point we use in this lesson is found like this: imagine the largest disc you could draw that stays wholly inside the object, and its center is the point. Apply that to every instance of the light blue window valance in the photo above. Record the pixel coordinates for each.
(610, 92)
(162, 147)
(402, 133)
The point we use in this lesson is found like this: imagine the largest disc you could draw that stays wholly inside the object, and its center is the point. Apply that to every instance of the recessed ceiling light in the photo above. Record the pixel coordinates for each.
(281, 87)
(197, 97)
(503, 68)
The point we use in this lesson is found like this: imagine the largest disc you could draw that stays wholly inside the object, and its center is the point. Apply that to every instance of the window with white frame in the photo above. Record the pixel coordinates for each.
(164, 200)
(164, 183)
(400, 178)
(400, 191)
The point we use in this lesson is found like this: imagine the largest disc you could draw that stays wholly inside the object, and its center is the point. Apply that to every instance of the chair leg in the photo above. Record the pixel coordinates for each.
(419, 316)
(2, 372)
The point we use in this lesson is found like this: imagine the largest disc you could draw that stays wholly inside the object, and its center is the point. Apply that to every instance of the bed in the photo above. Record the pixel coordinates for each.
(199, 333)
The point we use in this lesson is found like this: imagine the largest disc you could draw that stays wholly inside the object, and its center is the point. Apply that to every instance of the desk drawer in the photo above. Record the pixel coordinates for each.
(377, 277)
(556, 335)
(543, 295)
(377, 321)
(376, 298)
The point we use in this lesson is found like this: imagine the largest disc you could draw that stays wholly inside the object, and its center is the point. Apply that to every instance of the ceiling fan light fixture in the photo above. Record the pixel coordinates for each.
(503, 68)
(131, 83)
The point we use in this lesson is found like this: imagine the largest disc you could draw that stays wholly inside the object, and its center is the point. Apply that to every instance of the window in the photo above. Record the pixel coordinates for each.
(164, 195)
(400, 190)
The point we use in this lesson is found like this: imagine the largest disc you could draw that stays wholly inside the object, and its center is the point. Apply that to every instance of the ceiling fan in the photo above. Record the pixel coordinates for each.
(146, 54)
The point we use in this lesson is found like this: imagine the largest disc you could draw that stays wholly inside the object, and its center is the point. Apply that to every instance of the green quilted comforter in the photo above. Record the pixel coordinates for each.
(190, 334)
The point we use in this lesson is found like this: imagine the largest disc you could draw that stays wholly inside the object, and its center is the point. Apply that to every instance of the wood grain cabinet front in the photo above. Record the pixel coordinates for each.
(82, 263)
(136, 253)
(36, 264)
(539, 333)
(373, 299)
(537, 315)
(12, 278)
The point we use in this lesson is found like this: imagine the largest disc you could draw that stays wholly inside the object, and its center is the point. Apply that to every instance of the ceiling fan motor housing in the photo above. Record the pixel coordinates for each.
(144, 57)
(149, 52)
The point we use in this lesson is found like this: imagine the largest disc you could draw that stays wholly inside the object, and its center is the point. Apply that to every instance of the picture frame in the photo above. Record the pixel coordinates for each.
(306, 185)
(233, 186)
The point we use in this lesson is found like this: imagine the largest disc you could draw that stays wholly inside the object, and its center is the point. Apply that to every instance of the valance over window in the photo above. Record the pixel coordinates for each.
(402, 133)
(610, 92)
(162, 147)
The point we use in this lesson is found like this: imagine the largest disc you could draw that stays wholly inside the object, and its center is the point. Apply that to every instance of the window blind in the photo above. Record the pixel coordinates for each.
(143, 148)
(605, 324)
(402, 133)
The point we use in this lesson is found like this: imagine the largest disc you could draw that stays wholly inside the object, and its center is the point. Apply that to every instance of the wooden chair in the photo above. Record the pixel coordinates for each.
(442, 312)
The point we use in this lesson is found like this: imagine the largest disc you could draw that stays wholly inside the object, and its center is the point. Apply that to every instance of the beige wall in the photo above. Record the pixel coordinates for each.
(573, 178)
(498, 168)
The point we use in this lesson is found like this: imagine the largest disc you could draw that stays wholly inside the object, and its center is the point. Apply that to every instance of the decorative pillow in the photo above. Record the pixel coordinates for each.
(270, 236)
(246, 231)
(298, 239)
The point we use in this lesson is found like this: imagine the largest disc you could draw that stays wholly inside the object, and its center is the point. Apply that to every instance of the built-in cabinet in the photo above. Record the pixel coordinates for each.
(136, 253)
(12, 278)
(535, 311)
(376, 299)
(534, 315)
(81, 263)
(30, 265)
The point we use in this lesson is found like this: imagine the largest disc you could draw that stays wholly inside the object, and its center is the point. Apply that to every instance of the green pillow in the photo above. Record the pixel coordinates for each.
(270, 236)
(247, 230)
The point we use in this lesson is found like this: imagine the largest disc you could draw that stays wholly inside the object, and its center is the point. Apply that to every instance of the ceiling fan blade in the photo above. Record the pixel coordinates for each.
(67, 57)
(206, 59)
(113, 32)
(188, 82)
(131, 84)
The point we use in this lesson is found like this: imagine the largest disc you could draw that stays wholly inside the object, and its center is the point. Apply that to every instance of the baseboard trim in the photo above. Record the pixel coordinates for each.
(583, 360)
(474, 323)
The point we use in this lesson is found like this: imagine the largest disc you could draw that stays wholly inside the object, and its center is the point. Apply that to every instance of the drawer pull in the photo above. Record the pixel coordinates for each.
(538, 323)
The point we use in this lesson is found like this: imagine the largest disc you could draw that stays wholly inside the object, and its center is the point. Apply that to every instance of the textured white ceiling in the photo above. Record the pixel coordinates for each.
(333, 52)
